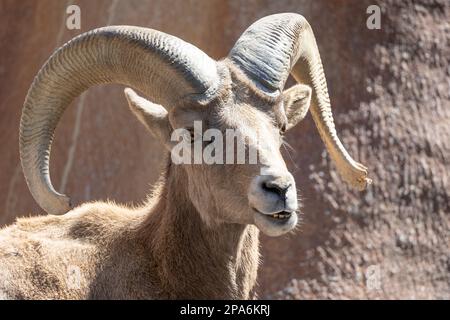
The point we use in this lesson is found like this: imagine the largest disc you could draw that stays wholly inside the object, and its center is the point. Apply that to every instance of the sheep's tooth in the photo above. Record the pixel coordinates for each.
(275, 215)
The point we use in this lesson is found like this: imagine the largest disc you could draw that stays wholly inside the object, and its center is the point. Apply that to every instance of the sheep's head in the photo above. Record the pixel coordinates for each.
(199, 105)
(229, 148)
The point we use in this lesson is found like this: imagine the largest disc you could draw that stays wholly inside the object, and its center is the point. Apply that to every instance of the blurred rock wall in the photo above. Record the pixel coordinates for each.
(390, 93)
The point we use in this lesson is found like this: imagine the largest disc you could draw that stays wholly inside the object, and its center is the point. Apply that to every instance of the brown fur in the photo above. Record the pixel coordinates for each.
(194, 238)
(159, 251)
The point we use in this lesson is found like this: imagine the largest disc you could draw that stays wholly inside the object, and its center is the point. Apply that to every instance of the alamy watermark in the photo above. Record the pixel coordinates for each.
(373, 22)
(73, 277)
(373, 277)
(73, 20)
(213, 146)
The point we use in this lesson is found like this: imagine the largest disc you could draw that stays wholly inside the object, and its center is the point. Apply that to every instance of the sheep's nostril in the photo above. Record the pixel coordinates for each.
(280, 190)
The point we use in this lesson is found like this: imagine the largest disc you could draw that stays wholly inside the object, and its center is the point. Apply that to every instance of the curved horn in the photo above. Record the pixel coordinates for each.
(277, 45)
(161, 66)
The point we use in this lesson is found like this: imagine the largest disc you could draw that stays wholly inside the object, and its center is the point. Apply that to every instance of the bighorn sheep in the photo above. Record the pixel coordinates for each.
(197, 235)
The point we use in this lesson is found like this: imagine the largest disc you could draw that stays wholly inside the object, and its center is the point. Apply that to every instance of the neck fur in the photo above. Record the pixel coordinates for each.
(194, 260)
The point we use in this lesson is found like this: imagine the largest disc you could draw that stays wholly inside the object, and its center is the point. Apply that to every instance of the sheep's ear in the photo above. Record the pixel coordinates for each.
(296, 102)
(154, 116)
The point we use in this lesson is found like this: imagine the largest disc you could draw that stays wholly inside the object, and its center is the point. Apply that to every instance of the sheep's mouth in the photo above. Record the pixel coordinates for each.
(283, 215)
(275, 224)
(278, 217)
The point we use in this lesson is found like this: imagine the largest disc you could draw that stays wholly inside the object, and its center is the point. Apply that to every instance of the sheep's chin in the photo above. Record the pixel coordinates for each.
(272, 227)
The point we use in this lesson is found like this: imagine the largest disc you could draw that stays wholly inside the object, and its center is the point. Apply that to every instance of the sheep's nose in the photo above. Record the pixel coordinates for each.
(273, 191)
(278, 187)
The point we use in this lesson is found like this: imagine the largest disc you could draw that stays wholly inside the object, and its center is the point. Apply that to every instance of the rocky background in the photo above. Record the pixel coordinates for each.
(390, 90)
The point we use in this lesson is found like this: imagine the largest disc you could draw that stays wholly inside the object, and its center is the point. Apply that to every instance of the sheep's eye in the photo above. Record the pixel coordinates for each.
(282, 132)
(283, 129)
